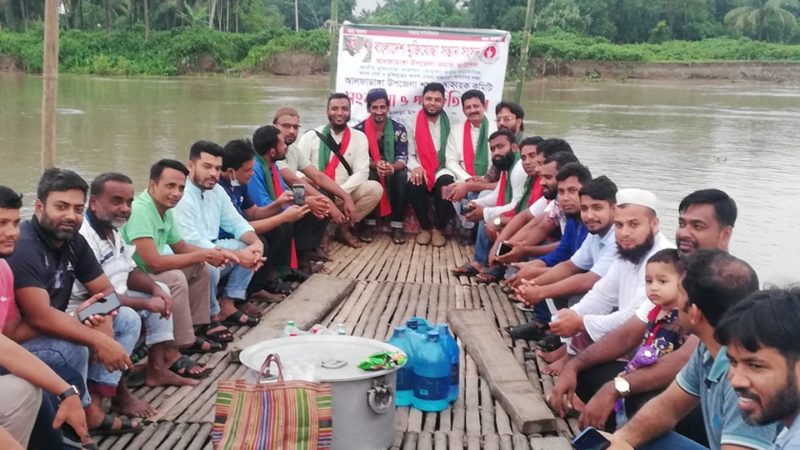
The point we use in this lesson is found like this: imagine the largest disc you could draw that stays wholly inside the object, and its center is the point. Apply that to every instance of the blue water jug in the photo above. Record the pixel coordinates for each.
(419, 325)
(405, 376)
(451, 347)
(431, 375)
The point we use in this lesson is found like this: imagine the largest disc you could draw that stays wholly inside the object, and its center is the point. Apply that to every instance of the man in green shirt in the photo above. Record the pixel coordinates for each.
(162, 253)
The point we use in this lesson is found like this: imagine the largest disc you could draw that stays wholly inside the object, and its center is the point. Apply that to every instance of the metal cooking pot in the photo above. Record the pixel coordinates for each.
(363, 402)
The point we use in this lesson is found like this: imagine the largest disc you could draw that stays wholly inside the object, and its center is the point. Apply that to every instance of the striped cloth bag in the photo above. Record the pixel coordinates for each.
(283, 415)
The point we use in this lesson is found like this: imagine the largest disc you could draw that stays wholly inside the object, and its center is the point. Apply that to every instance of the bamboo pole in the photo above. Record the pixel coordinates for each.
(49, 83)
(523, 57)
(334, 42)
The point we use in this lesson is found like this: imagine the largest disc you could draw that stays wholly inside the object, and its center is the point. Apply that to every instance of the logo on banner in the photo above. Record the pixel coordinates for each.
(489, 54)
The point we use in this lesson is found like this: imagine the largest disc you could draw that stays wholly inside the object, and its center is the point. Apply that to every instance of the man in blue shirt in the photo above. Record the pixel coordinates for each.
(763, 342)
(715, 282)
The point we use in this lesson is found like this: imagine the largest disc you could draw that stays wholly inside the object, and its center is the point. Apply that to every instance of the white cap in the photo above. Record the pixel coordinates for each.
(637, 197)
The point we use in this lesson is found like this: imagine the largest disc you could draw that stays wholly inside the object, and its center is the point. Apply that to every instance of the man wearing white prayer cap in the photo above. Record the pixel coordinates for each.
(620, 293)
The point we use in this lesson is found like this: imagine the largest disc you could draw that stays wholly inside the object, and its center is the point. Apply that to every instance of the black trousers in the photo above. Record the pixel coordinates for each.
(307, 234)
(420, 200)
(591, 380)
(397, 184)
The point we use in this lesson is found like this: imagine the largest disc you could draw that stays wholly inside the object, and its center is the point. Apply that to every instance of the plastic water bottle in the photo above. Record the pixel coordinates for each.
(419, 325)
(340, 329)
(432, 375)
(290, 329)
(405, 376)
(451, 348)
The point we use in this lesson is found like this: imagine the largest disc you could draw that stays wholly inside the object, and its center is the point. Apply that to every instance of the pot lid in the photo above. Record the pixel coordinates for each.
(335, 357)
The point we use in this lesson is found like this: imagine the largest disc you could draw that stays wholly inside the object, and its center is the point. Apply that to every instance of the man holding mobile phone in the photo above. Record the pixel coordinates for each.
(51, 257)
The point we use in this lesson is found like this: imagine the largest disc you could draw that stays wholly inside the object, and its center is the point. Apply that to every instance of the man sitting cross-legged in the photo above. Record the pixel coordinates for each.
(585, 267)
(26, 383)
(204, 209)
(50, 256)
(167, 320)
(166, 257)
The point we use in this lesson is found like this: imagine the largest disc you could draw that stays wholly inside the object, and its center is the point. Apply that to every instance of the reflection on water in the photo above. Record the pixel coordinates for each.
(671, 138)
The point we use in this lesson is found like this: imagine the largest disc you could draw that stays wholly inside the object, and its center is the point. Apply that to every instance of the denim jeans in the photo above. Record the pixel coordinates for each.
(672, 441)
(44, 436)
(465, 224)
(127, 327)
(238, 277)
(157, 328)
(58, 353)
(482, 244)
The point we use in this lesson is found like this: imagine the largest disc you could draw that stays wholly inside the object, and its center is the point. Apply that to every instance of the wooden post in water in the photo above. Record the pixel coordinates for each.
(523, 56)
(334, 42)
(49, 83)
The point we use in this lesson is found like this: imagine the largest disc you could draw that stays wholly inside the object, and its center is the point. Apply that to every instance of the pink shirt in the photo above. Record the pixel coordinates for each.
(8, 304)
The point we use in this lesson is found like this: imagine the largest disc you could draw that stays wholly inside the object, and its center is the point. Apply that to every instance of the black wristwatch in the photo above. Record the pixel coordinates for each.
(72, 390)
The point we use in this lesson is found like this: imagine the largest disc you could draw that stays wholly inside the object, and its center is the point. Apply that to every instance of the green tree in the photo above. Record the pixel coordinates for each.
(562, 14)
(769, 20)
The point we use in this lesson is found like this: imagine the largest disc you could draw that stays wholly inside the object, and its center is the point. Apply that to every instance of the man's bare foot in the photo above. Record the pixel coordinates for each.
(551, 357)
(555, 368)
(168, 378)
(127, 404)
(344, 236)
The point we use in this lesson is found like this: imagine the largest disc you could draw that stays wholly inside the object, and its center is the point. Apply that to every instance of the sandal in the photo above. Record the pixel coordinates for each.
(398, 238)
(278, 286)
(491, 275)
(183, 368)
(467, 270)
(223, 335)
(235, 319)
(249, 309)
(265, 296)
(198, 346)
(106, 427)
(297, 275)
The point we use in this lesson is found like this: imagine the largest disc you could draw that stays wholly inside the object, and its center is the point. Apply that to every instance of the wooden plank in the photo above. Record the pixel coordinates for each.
(550, 443)
(507, 380)
(308, 305)
(487, 409)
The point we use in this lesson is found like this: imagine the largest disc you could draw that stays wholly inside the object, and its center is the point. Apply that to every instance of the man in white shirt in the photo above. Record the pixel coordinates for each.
(621, 292)
(347, 163)
(498, 206)
(427, 144)
(468, 158)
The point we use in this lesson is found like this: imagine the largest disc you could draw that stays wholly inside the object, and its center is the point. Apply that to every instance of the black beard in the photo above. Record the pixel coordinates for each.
(430, 114)
(576, 215)
(785, 403)
(636, 254)
(549, 194)
(504, 162)
(47, 226)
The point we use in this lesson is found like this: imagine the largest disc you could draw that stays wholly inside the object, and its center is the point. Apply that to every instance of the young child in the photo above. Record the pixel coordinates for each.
(662, 334)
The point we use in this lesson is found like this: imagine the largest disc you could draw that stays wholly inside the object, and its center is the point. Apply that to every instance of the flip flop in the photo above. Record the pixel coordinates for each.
(467, 270)
(105, 427)
(183, 366)
(249, 309)
(398, 238)
(197, 347)
(491, 275)
(235, 320)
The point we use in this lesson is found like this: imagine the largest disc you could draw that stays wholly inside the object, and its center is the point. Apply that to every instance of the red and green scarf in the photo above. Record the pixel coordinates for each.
(430, 159)
(375, 154)
(272, 180)
(326, 163)
(476, 160)
(533, 191)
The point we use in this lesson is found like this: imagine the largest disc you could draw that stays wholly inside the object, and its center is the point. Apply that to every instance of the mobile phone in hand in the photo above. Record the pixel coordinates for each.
(299, 194)
(102, 307)
(590, 439)
(503, 248)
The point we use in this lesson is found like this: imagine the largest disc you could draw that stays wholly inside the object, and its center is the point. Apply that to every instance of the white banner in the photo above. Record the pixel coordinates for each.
(403, 60)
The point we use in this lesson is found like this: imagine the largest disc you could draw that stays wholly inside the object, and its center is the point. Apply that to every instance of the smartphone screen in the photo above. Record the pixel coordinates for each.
(299, 194)
(503, 248)
(590, 439)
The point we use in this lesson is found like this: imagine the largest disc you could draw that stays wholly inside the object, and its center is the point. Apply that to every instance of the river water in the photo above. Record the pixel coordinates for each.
(671, 138)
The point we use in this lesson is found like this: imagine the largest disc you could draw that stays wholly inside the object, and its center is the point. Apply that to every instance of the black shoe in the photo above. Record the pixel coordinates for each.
(550, 343)
(531, 331)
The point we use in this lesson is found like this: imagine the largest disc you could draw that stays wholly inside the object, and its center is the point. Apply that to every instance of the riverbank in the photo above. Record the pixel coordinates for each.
(282, 52)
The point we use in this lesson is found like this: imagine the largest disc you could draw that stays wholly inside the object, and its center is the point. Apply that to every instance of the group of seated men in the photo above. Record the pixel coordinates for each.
(617, 311)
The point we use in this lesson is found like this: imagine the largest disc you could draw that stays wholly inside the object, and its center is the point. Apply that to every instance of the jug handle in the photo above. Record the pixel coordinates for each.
(380, 397)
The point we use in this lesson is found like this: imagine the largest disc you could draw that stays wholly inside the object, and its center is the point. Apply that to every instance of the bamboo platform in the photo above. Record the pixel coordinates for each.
(393, 283)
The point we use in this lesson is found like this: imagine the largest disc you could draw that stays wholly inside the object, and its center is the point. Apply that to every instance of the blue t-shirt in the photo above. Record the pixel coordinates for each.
(706, 378)
(789, 438)
(257, 187)
(572, 238)
(240, 197)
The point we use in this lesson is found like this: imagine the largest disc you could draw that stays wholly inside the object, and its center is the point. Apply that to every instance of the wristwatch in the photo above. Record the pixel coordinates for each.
(497, 221)
(72, 390)
(622, 386)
